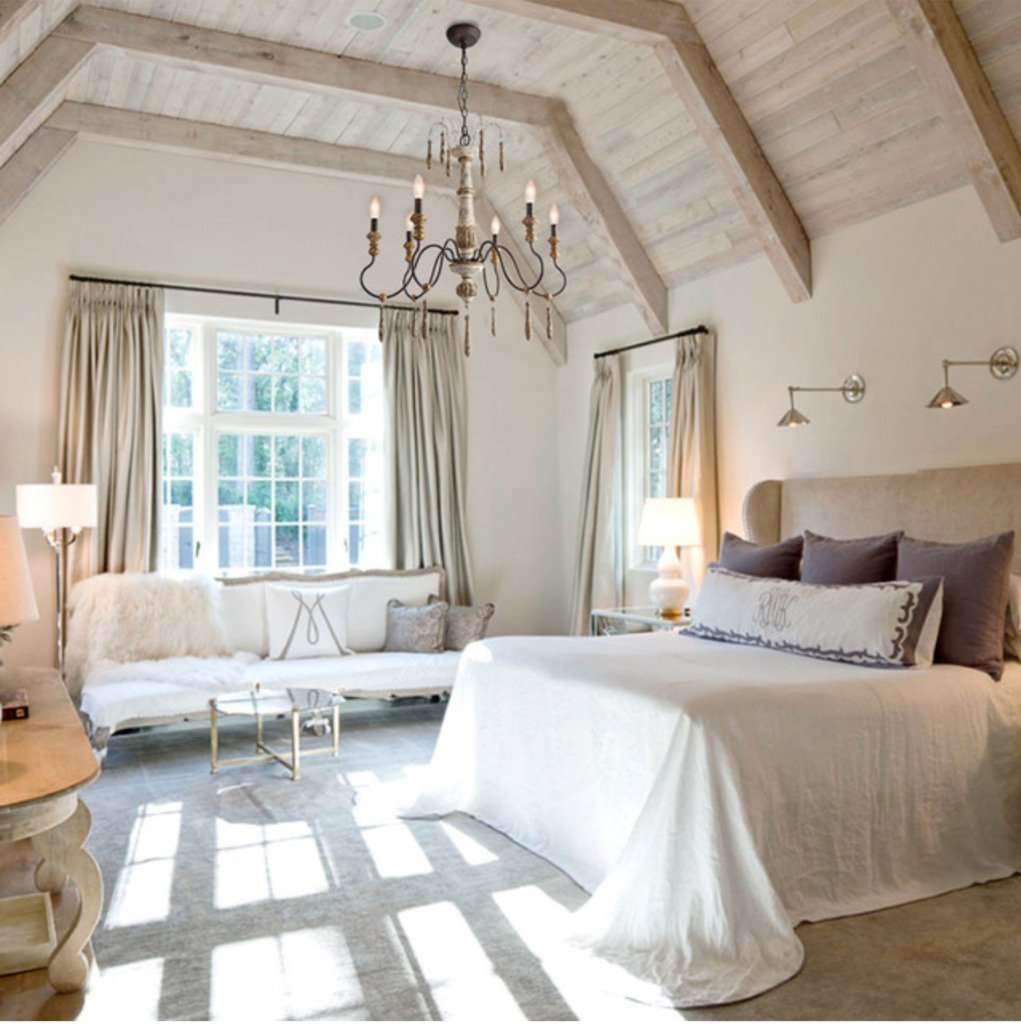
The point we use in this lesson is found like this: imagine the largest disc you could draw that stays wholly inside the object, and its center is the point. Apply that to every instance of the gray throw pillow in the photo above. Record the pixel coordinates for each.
(976, 578)
(780, 561)
(465, 623)
(415, 629)
(862, 560)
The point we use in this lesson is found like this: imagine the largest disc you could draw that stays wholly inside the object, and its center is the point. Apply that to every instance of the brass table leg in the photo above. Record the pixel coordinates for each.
(258, 731)
(336, 729)
(214, 739)
(295, 742)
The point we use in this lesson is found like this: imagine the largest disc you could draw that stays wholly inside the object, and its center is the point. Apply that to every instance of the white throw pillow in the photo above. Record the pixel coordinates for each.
(878, 624)
(369, 598)
(244, 617)
(307, 622)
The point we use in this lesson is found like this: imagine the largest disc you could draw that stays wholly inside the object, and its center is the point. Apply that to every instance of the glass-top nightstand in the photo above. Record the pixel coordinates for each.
(639, 619)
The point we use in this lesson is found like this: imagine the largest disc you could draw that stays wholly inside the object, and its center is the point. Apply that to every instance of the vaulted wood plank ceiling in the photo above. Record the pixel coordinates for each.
(838, 111)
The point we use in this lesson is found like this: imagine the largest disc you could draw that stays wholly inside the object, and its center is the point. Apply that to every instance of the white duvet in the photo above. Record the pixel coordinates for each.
(712, 796)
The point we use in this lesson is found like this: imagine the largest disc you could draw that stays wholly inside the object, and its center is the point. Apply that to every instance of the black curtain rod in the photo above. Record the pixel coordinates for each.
(273, 296)
(701, 329)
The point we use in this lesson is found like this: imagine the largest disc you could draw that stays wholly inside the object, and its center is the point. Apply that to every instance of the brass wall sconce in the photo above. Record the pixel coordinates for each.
(1002, 365)
(852, 390)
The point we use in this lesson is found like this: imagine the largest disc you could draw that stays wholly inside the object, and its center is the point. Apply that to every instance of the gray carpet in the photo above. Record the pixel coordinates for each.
(248, 895)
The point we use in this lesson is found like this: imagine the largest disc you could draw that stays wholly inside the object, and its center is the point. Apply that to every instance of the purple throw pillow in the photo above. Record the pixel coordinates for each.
(861, 560)
(779, 561)
(976, 578)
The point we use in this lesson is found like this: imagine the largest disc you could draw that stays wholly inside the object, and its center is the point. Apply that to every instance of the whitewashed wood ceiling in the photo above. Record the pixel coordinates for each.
(828, 87)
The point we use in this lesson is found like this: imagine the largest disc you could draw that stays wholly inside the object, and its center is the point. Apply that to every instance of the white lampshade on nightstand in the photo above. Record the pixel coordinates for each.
(17, 597)
(669, 523)
(61, 511)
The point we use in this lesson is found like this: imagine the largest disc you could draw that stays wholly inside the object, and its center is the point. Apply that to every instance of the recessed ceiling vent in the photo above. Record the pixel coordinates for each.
(366, 21)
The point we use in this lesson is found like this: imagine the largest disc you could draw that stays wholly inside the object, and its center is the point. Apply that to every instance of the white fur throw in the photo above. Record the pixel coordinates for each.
(126, 617)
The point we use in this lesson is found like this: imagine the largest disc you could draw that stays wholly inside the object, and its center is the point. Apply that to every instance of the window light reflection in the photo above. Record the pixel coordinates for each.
(141, 893)
(395, 851)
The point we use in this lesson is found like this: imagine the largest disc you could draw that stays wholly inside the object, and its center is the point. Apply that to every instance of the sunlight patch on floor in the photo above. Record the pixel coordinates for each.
(461, 977)
(285, 977)
(586, 984)
(127, 992)
(395, 851)
(471, 850)
(141, 893)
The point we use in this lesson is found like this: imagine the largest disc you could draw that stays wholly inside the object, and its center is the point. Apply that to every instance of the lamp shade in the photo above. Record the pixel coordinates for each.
(55, 506)
(670, 522)
(17, 598)
(947, 398)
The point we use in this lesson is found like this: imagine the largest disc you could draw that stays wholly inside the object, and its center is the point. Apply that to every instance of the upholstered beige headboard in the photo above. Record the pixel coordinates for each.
(936, 504)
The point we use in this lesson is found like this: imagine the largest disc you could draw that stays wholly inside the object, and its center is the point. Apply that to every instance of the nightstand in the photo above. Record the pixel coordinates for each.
(613, 621)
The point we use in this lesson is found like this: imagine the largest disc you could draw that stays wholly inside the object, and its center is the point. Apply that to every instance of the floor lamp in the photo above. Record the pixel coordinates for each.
(61, 511)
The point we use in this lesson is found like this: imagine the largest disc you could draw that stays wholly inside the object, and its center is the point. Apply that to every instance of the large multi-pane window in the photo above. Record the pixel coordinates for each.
(650, 399)
(272, 448)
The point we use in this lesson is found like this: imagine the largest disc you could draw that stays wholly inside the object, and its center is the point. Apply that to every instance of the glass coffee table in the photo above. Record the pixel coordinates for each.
(309, 706)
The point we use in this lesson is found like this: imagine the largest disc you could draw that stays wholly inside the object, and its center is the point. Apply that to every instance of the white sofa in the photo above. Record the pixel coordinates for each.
(121, 687)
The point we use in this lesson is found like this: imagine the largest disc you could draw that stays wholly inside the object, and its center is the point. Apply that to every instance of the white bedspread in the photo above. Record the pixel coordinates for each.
(711, 796)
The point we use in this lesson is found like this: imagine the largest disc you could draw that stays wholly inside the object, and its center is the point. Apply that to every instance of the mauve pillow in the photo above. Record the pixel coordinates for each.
(976, 577)
(779, 561)
(861, 560)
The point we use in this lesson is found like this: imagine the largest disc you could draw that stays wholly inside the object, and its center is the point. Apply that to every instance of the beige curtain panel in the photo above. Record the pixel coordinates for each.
(692, 463)
(427, 437)
(599, 576)
(110, 421)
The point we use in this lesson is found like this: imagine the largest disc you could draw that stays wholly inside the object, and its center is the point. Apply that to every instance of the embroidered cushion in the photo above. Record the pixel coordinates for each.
(417, 629)
(976, 581)
(781, 561)
(465, 623)
(307, 622)
(862, 560)
(878, 624)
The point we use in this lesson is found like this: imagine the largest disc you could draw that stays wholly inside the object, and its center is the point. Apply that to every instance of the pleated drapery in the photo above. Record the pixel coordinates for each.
(599, 577)
(692, 466)
(426, 442)
(111, 422)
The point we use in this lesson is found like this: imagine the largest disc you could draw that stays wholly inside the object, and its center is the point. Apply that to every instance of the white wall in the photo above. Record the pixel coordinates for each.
(892, 297)
(141, 214)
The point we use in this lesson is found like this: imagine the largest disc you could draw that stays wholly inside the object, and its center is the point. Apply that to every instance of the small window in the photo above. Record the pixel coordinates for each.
(179, 379)
(270, 373)
(650, 401)
(177, 539)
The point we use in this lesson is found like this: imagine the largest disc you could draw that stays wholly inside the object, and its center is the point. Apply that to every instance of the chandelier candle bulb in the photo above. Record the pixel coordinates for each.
(554, 218)
(530, 199)
(494, 228)
(418, 190)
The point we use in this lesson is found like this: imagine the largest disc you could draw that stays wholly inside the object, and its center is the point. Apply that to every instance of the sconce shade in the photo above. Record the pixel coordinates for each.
(56, 506)
(793, 418)
(17, 598)
(669, 522)
(947, 398)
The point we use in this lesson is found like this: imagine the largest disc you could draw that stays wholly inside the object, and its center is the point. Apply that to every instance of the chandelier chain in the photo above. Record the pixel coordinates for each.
(462, 97)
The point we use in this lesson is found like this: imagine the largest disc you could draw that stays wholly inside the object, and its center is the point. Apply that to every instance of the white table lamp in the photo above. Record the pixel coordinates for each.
(61, 511)
(17, 597)
(669, 523)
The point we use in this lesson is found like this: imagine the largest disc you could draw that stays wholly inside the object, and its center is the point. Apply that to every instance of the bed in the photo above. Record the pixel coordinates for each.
(711, 796)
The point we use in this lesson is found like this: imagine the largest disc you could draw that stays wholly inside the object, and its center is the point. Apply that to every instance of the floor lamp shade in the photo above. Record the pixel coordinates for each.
(49, 507)
(669, 523)
(17, 596)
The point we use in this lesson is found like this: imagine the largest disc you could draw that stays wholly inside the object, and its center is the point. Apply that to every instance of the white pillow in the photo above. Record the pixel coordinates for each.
(307, 622)
(244, 617)
(1012, 640)
(883, 625)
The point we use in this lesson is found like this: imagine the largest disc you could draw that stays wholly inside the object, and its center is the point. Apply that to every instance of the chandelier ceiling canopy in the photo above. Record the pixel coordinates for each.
(489, 263)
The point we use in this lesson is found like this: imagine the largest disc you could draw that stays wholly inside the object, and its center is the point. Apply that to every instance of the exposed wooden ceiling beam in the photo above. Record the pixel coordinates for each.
(944, 58)
(31, 92)
(313, 70)
(709, 103)
(265, 149)
(43, 148)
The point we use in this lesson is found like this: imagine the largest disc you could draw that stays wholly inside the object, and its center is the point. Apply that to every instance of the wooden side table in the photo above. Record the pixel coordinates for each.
(45, 760)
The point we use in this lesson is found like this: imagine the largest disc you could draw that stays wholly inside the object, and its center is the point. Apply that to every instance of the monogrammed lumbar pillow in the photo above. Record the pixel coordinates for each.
(879, 624)
(306, 623)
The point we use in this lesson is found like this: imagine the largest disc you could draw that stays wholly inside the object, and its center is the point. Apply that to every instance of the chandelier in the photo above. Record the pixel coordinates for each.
(490, 262)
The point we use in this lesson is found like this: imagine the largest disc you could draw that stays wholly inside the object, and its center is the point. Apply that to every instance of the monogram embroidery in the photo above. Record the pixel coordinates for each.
(773, 607)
